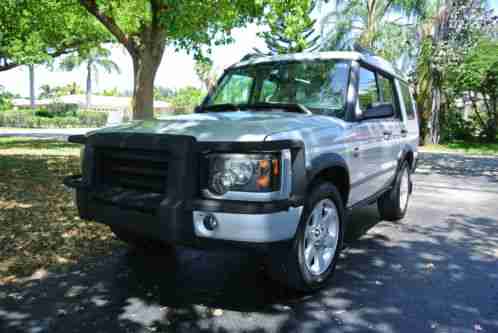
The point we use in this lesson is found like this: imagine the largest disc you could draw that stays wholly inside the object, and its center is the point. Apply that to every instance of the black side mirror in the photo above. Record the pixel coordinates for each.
(198, 109)
(382, 110)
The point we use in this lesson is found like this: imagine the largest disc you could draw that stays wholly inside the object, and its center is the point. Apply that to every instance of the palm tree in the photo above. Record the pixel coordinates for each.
(383, 26)
(92, 60)
(428, 86)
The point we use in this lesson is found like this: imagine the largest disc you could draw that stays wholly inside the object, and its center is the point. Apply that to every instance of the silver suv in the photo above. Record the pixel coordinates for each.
(272, 160)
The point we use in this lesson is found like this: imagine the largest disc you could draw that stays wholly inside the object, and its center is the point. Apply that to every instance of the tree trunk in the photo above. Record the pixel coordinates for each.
(145, 65)
(88, 84)
(492, 120)
(32, 86)
(434, 121)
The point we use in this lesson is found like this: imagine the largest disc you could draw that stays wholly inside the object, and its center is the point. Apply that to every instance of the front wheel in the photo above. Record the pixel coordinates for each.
(393, 204)
(311, 261)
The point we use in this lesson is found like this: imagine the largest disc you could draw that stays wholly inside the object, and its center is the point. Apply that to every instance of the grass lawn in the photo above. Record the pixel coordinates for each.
(39, 225)
(482, 149)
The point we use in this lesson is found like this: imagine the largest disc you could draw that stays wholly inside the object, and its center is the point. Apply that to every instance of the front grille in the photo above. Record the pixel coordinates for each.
(145, 171)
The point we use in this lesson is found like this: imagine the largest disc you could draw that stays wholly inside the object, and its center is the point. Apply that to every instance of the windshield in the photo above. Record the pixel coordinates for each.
(320, 86)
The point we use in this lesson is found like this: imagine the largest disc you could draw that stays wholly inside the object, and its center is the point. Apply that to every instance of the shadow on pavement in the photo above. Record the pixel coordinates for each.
(459, 166)
(422, 280)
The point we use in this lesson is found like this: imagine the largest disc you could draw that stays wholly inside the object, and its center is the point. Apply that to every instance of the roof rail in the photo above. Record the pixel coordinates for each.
(251, 56)
(363, 50)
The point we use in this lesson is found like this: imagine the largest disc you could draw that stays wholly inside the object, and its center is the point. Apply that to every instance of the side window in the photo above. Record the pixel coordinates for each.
(267, 90)
(368, 94)
(407, 100)
(386, 87)
(234, 90)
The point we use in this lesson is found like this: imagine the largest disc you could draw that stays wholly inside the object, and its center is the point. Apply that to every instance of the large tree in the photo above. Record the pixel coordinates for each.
(144, 28)
(446, 38)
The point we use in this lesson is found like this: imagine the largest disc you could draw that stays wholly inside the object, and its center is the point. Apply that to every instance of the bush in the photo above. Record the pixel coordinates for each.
(92, 118)
(185, 99)
(42, 112)
(46, 119)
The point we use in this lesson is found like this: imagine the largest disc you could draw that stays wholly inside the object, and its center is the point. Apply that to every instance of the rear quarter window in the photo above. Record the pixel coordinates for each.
(407, 100)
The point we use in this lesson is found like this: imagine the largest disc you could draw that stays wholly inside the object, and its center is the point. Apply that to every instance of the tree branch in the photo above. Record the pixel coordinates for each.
(109, 23)
(65, 49)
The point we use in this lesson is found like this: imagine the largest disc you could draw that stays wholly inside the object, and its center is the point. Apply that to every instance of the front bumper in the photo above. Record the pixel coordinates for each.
(181, 223)
(178, 216)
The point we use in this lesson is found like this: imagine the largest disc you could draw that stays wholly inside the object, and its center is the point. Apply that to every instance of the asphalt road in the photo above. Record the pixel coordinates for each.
(436, 271)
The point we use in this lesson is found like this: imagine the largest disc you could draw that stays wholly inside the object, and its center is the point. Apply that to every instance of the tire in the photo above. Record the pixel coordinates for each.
(142, 244)
(393, 204)
(296, 267)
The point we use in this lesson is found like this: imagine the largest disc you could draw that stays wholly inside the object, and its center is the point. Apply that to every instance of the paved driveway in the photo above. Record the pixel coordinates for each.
(437, 271)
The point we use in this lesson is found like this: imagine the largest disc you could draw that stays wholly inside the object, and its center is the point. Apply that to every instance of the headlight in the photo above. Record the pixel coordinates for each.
(260, 173)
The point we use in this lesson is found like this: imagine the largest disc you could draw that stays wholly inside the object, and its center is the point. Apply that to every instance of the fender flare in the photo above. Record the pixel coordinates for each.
(327, 161)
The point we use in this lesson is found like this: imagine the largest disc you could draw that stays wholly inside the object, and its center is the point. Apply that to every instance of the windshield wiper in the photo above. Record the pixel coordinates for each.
(222, 107)
(290, 107)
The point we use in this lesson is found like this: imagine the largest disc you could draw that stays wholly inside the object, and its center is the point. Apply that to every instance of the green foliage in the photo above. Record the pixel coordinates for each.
(35, 31)
(478, 71)
(185, 99)
(111, 92)
(53, 92)
(291, 28)
(387, 27)
(43, 118)
(456, 128)
(5, 100)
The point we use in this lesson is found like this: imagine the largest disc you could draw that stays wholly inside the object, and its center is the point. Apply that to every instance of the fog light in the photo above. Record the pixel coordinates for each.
(210, 222)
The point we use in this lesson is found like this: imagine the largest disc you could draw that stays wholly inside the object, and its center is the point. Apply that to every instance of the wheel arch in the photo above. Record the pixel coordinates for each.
(408, 155)
(333, 168)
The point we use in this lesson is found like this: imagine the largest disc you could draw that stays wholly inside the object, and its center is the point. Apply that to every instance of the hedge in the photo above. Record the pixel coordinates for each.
(39, 119)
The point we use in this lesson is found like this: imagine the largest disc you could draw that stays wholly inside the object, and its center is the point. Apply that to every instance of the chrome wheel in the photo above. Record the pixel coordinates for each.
(404, 189)
(321, 237)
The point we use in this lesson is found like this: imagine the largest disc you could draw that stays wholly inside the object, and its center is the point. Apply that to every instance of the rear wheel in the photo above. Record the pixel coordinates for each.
(393, 204)
(316, 246)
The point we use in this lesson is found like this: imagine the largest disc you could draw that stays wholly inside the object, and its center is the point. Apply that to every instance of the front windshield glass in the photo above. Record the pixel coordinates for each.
(321, 86)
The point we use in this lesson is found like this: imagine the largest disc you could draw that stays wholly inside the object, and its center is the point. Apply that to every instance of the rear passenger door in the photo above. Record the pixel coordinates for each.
(392, 128)
(410, 129)
(375, 143)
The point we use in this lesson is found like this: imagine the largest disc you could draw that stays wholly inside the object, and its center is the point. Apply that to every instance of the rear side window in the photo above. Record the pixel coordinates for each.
(386, 87)
(368, 94)
(407, 100)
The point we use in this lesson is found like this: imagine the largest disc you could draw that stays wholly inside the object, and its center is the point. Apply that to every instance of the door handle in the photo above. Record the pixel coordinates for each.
(356, 151)
(404, 133)
(387, 135)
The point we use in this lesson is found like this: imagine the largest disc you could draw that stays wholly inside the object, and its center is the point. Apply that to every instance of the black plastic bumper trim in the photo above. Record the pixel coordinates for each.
(80, 138)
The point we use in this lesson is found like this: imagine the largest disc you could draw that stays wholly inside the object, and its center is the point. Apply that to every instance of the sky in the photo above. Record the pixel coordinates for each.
(176, 69)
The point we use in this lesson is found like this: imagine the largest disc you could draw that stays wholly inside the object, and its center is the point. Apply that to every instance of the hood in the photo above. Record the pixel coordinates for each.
(226, 126)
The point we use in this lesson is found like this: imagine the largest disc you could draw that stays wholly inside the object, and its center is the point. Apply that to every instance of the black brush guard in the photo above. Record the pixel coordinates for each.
(161, 206)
